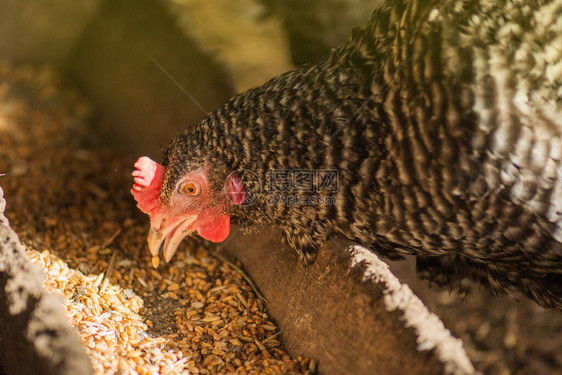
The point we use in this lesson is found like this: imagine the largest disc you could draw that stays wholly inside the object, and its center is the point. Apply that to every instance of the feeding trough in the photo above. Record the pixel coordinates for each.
(346, 310)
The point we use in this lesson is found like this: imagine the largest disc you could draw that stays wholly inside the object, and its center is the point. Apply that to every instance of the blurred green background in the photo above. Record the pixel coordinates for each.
(154, 68)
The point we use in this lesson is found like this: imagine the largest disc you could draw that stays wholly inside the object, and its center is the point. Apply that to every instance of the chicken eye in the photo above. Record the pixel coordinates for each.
(190, 188)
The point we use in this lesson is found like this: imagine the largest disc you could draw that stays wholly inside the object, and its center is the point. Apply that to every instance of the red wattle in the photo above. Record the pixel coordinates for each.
(215, 230)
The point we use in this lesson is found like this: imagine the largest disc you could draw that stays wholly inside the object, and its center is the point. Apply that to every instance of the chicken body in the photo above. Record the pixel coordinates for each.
(443, 122)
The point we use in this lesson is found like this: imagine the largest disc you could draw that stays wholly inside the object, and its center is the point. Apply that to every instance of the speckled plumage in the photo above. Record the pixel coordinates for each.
(444, 121)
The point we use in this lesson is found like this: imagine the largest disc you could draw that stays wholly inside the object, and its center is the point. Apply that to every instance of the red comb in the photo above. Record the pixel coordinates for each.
(149, 177)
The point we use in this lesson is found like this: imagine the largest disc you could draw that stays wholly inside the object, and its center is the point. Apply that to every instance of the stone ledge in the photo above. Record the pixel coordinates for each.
(35, 335)
(347, 310)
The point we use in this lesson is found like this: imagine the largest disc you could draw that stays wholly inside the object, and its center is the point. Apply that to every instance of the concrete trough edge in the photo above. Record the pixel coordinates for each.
(431, 332)
(347, 310)
(35, 335)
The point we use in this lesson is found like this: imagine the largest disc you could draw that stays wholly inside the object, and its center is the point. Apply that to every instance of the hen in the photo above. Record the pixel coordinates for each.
(436, 131)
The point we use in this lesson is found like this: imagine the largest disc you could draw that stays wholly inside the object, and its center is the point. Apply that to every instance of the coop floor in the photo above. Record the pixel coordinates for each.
(69, 195)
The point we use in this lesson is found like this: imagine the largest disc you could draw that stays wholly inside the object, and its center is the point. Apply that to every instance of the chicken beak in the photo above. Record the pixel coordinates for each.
(171, 234)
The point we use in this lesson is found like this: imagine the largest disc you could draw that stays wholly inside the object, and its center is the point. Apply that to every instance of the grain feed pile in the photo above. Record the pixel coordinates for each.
(68, 199)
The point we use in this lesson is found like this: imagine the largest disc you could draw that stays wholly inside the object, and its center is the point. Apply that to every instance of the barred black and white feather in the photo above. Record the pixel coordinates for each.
(444, 122)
